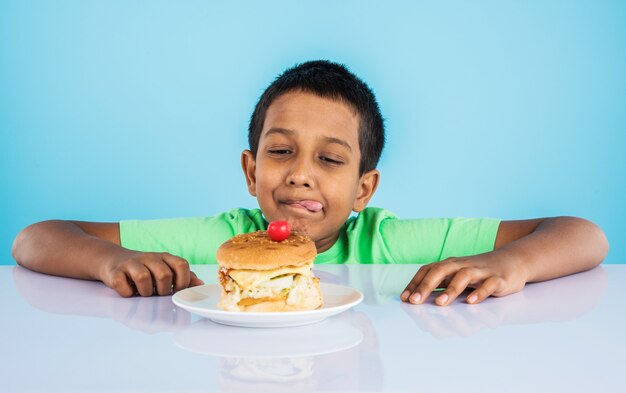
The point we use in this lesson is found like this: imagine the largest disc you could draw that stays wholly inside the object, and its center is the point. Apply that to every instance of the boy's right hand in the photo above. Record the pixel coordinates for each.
(147, 273)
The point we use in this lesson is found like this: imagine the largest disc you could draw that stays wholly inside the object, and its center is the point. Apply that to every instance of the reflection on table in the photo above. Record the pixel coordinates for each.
(382, 344)
(339, 352)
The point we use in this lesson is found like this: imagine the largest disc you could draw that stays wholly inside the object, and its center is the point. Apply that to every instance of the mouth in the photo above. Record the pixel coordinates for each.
(304, 205)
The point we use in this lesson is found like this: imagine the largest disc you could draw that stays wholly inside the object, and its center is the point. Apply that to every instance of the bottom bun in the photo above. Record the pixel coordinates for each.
(278, 306)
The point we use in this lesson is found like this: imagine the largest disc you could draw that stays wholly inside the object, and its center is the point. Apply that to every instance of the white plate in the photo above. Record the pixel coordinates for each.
(202, 300)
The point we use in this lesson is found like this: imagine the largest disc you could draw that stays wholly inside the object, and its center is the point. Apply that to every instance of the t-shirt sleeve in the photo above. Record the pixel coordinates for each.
(195, 239)
(435, 239)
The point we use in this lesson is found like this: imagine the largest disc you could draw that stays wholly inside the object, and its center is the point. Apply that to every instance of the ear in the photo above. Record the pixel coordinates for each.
(367, 186)
(248, 164)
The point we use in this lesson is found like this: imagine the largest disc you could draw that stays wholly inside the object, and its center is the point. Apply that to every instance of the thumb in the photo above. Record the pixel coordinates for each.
(195, 281)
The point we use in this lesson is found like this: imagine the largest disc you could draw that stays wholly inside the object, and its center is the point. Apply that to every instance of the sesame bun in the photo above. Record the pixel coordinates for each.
(256, 251)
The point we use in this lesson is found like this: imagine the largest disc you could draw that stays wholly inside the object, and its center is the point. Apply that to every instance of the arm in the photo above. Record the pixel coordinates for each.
(553, 247)
(524, 251)
(92, 251)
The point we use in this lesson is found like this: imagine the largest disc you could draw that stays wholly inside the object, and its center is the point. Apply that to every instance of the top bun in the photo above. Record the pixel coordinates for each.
(256, 251)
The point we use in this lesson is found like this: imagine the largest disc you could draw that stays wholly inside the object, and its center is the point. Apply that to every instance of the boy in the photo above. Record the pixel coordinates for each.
(315, 138)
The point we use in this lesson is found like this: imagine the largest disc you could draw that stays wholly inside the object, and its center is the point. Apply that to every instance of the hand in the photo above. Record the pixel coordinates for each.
(148, 273)
(491, 274)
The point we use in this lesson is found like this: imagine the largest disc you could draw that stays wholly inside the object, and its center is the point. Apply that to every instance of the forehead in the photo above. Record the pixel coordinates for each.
(311, 116)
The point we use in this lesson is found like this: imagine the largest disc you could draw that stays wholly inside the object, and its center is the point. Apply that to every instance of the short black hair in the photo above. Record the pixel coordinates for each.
(327, 80)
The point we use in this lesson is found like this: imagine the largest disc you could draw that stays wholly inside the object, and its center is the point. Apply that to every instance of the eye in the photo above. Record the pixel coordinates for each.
(330, 160)
(279, 152)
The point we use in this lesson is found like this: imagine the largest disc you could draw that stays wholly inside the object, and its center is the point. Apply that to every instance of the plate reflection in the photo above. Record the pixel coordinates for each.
(338, 353)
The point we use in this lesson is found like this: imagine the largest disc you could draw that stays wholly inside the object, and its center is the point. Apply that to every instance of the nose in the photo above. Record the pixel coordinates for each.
(300, 174)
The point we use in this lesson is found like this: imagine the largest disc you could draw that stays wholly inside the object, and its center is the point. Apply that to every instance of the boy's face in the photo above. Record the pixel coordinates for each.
(307, 166)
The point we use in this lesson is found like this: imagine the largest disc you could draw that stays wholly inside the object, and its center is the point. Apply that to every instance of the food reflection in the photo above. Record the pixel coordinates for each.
(565, 299)
(336, 354)
(68, 296)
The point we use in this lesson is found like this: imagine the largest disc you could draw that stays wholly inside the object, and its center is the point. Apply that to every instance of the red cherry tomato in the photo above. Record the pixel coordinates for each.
(278, 230)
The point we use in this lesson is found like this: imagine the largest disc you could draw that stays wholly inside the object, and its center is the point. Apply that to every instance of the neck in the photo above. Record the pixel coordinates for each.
(326, 243)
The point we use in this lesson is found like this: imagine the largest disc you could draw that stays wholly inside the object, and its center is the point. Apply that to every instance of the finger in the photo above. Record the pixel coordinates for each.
(419, 276)
(491, 285)
(142, 278)
(435, 276)
(120, 283)
(458, 283)
(180, 267)
(162, 276)
(195, 281)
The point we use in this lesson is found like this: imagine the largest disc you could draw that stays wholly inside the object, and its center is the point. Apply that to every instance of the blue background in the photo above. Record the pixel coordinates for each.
(138, 109)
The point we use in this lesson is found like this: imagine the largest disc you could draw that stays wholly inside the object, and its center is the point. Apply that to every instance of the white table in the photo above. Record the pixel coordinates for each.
(566, 335)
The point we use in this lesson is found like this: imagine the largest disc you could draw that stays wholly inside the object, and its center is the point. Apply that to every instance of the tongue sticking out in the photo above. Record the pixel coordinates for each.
(312, 206)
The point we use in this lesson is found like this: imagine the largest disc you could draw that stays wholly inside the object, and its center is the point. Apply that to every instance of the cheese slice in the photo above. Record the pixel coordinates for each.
(247, 279)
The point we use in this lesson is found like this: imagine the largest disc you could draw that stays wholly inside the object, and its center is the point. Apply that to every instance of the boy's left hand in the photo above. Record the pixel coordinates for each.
(491, 274)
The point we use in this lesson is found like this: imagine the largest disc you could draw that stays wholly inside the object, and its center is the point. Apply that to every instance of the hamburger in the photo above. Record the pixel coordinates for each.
(258, 274)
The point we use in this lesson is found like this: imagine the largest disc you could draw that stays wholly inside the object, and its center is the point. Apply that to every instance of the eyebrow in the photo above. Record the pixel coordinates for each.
(327, 139)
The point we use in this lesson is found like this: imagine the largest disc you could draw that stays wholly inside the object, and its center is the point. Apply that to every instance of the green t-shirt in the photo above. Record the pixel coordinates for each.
(373, 236)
